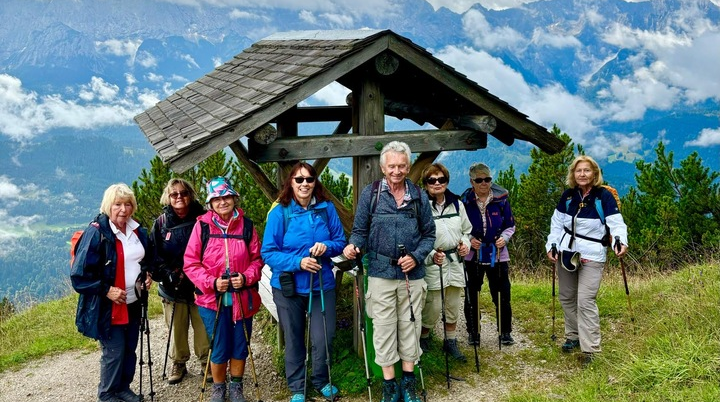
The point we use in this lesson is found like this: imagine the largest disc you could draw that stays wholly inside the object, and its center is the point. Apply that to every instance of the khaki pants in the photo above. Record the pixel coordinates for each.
(388, 306)
(433, 306)
(185, 315)
(578, 294)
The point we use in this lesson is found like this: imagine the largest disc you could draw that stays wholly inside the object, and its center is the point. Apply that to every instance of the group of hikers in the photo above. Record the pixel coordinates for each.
(424, 251)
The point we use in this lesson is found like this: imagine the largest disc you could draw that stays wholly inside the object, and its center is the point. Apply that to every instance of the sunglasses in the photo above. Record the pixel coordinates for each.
(480, 180)
(183, 193)
(301, 179)
(433, 180)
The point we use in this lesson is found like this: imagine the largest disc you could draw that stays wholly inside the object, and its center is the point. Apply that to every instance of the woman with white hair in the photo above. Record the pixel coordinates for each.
(109, 262)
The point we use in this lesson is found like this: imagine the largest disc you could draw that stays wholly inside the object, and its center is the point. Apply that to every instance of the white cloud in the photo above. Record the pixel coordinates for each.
(236, 14)
(332, 95)
(338, 20)
(628, 99)
(378, 8)
(24, 114)
(542, 37)
(488, 37)
(708, 137)
(119, 47)
(146, 59)
(308, 16)
(190, 60)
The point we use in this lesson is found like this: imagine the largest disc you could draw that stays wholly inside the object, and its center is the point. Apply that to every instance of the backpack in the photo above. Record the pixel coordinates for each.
(205, 234)
(75, 239)
(376, 197)
(606, 240)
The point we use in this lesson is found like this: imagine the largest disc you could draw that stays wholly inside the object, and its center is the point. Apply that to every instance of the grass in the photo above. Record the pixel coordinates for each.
(46, 329)
(670, 353)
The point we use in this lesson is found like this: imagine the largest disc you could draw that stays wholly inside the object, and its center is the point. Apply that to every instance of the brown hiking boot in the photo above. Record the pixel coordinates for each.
(177, 373)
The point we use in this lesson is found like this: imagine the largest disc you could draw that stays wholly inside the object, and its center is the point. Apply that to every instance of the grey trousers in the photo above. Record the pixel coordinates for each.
(291, 314)
(578, 294)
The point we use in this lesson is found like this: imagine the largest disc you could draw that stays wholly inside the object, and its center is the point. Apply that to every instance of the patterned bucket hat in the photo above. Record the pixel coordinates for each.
(219, 187)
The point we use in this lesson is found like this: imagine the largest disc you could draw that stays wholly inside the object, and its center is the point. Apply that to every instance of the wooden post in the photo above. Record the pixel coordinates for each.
(368, 119)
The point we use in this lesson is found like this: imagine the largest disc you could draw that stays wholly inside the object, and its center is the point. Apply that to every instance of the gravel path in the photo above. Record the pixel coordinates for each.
(73, 376)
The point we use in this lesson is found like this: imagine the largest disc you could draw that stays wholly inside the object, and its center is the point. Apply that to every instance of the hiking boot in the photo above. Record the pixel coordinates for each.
(217, 394)
(127, 396)
(570, 344)
(451, 346)
(235, 391)
(177, 373)
(425, 344)
(474, 339)
(329, 392)
(297, 398)
(586, 359)
(407, 389)
(390, 391)
(506, 339)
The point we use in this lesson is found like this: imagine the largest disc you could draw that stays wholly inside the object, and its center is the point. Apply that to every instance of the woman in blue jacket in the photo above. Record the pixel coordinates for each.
(303, 231)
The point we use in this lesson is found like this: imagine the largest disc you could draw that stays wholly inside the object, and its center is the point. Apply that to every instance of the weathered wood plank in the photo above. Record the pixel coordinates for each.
(330, 146)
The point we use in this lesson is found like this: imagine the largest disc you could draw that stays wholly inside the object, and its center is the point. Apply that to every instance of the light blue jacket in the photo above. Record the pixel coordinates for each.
(284, 248)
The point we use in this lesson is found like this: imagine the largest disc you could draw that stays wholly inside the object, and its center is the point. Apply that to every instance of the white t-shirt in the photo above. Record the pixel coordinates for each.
(134, 252)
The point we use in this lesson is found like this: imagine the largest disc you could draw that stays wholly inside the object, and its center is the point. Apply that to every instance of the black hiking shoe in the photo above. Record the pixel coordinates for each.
(474, 339)
(390, 391)
(506, 339)
(586, 359)
(407, 389)
(451, 346)
(570, 345)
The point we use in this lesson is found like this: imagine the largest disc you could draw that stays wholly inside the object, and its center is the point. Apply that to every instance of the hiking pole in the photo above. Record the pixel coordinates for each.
(403, 253)
(324, 319)
(247, 340)
(145, 328)
(444, 321)
(468, 303)
(554, 254)
(210, 350)
(618, 247)
(356, 274)
(167, 347)
(308, 317)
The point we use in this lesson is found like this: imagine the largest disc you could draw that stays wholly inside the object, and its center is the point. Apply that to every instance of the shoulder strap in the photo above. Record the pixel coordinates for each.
(375, 196)
(204, 236)
(247, 231)
(599, 208)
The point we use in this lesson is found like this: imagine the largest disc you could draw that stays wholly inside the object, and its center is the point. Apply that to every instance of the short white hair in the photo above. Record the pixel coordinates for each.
(395, 146)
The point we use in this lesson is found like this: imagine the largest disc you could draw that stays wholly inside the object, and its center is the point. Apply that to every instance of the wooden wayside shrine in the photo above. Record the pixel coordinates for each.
(257, 94)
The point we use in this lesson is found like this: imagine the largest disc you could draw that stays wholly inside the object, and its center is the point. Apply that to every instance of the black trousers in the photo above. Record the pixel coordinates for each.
(498, 278)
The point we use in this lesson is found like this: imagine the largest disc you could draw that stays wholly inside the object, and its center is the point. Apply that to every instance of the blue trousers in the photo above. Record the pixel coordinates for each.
(291, 313)
(118, 359)
(229, 341)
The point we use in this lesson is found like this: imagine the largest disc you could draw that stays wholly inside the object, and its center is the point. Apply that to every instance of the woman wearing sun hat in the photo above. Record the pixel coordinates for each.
(226, 270)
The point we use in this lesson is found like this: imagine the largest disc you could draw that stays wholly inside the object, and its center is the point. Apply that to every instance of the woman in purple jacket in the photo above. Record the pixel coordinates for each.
(493, 223)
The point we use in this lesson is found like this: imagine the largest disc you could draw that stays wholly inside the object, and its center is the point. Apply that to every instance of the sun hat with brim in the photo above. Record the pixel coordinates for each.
(219, 187)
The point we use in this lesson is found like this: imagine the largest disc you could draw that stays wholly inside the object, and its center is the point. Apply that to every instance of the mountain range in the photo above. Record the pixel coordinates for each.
(617, 76)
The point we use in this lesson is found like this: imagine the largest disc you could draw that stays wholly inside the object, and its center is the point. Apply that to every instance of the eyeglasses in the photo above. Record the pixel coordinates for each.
(433, 180)
(301, 179)
(183, 193)
(481, 179)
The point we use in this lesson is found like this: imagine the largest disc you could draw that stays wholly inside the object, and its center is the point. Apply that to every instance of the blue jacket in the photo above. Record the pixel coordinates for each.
(284, 248)
(389, 226)
(93, 273)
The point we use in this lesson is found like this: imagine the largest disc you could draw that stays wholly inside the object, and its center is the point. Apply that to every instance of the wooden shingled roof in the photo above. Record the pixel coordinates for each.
(277, 73)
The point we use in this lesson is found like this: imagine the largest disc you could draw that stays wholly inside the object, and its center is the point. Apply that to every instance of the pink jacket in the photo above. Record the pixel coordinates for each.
(203, 273)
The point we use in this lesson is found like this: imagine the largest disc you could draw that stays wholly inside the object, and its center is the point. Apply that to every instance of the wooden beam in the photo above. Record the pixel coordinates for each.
(261, 179)
(338, 146)
(342, 128)
(422, 114)
(426, 159)
(312, 114)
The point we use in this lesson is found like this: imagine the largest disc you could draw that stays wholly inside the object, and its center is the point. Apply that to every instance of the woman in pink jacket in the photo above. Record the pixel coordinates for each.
(223, 260)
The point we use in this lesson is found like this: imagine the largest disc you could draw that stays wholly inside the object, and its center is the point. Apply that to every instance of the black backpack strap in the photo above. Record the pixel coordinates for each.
(205, 234)
(247, 231)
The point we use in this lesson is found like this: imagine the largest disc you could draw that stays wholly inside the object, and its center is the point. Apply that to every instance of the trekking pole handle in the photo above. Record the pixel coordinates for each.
(618, 244)
(554, 250)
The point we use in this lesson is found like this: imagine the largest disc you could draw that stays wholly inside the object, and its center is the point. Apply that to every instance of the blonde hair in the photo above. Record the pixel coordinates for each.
(597, 173)
(165, 197)
(117, 192)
